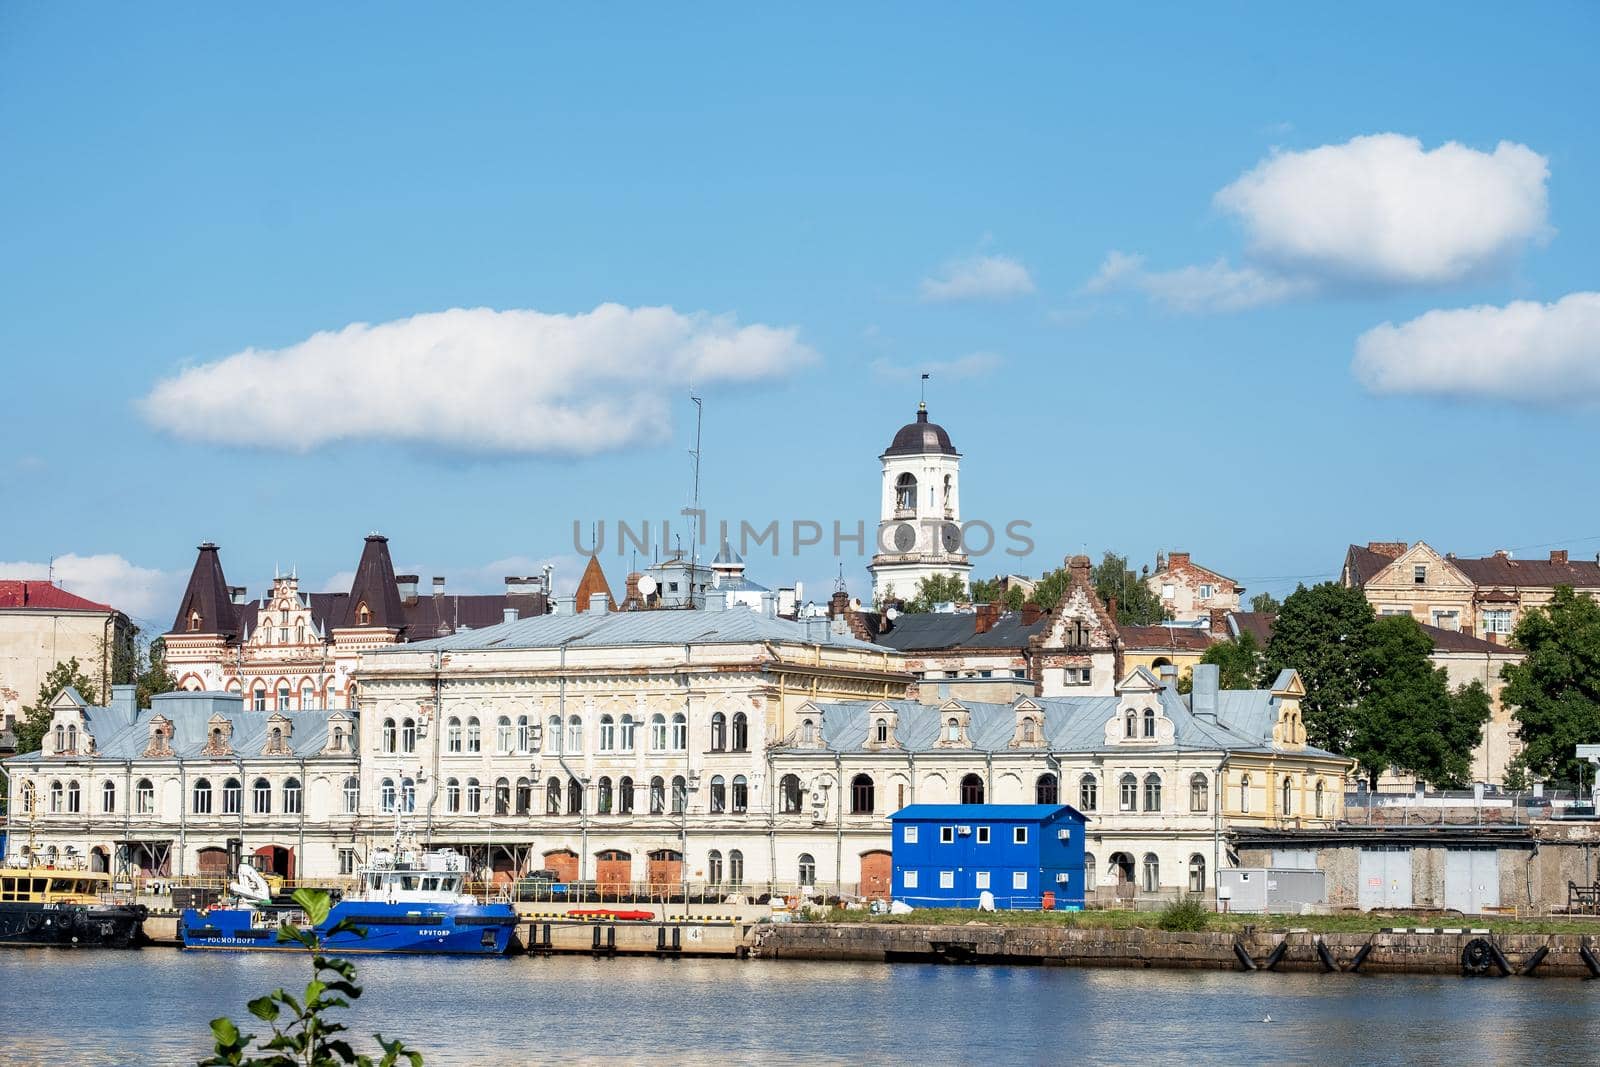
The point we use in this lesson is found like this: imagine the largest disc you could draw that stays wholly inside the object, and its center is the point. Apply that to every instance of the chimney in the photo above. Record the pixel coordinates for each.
(125, 704)
(838, 604)
(1391, 549)
(1207, 682)
(718, 602)
(238, 594)
(1031, 612)
(1111, 608)
(1219, 622)
(1078, 567)
(508, 615)
(598, 603)
(769, 604)
(1169, 676)
(567, 605)
(438, 585)
(406, 584)
(1558, 555)
(986, 616)
(1177, 559)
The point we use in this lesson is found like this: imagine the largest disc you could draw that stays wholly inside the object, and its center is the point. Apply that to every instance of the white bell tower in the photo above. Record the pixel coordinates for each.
(919, 525)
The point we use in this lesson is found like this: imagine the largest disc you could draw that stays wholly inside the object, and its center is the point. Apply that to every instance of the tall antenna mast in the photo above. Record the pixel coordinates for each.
(694, 539)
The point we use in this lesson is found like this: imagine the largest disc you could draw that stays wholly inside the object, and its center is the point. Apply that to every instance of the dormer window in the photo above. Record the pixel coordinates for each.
(194, 622)
(61, 738)
(1029, 733)
(1130, 724)
(1150, 723)
(952, 729)
(363, 614)
(881, 731)
(808, 732)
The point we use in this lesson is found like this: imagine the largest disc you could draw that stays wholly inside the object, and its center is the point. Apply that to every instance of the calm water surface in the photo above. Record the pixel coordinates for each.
(153, 1006)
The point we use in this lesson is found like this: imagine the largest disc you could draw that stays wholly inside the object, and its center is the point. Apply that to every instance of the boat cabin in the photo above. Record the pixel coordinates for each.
(414, 877)
(38, 885)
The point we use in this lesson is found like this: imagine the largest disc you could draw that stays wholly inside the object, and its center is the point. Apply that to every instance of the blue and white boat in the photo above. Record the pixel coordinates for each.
(407, 901)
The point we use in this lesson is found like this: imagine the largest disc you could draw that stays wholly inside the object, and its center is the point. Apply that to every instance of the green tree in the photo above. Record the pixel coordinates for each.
(935, 589)
(1556, 688)
(1239, 661)
(154, 676)
(1265, 603)
(1408, 718)
(35, 721)
(1051, 587)
(988, 591)
(302, 1032)
(1323, 632)
(1137, 603)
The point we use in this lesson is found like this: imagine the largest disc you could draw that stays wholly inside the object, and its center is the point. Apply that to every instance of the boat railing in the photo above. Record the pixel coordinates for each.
(539, 891)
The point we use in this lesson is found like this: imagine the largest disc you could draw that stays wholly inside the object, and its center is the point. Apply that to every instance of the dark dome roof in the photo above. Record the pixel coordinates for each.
(921, 438)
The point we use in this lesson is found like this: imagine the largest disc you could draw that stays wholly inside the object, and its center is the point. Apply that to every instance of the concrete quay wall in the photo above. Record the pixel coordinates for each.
(1413, 953)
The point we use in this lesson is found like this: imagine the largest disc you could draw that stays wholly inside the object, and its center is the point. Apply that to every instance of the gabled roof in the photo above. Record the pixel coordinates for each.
(1503, 570)
(375, 587)
(27, 595)
(207, 596)
(1166, 638)
(1362, 564)
(1259, 624)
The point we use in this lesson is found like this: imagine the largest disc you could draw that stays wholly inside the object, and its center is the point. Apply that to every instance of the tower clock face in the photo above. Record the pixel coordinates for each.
(905, 537)
(951, 536)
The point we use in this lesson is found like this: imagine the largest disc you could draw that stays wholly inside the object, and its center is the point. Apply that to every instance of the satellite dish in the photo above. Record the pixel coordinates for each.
(647, 585)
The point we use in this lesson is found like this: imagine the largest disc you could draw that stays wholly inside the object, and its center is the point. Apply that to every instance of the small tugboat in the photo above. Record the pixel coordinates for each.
(46, 906)
(408, 901)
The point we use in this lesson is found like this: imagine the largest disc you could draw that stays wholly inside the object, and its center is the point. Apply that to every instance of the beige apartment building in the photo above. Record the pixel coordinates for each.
(42, 625)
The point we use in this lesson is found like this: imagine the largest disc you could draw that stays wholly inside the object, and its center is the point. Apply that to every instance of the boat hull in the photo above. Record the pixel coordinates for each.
(427, 929)
(71, 925)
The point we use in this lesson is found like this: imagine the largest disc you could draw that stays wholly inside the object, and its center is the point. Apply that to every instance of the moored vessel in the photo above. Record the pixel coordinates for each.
(49, 906)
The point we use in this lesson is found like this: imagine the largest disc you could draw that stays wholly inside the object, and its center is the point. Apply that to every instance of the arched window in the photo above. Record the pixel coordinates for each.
(625, 740)
(604, 798)
(553, 729)
(658, 732)
(388, 736)
(719, 732)
(261, 797)
(108, 796)
(1150, 722)
(275, 740)
(502, 796)
(949, 487)
(291, 796)
(574, 797)
(552, 797)
(336, 739)
(1088, 793)
(202, 796)
(714, 867)
(680, 732)
(735, 867)
(680, 795)
(807, 869)
(144, 798)
(972, 789)
(739, 799)
(741, 732)
(502, 735)
(1197, 873)
(1047, 790)
(1030, 731)
(1152, 792)
(863, 796)
(574, 734)
(58, 797)
(625, 796)
(258, 697)
(452, 795)
(1130, 724)
(658, 795)
(1319, 798)
(474, 796)
(352, 795)
(789, 794)
(74, 798)
(880, 731)
(283, 696)
(452, 735)
(1199, 793)
(905, 492)
(524, 796)
(952, 729)
(408, 795)
(363, 614)
(1128, 793)
(808, 732)
(1288, 796)
(524, 735)
(719, 795)
(408, 735)
(1152, 873)
(1091, 875)
(608, 734)
(1244, 794)
(27, 798)
(386, 796)
(474, 734)
(232, 796)
(308, 698)
(61, 738)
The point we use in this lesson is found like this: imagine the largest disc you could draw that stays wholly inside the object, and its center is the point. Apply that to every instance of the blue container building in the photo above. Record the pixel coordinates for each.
(947, 855)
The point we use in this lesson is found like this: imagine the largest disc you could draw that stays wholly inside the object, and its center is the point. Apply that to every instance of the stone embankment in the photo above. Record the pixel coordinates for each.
(1367, 953)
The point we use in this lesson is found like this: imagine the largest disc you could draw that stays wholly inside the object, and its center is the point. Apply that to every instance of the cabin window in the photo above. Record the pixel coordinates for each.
(1199, 793)
(1088, 793)
(474, 735)
(144, 798)
(863, 798)
(261, 797)
(625, 797)
(1152, 792)
(983, 835)
(232, 797)
(202, 797)
(1046, 790)
(739, 798)
(291, 796)
(1019, 835)
(719, 732)
(741, 732)
(972, 789)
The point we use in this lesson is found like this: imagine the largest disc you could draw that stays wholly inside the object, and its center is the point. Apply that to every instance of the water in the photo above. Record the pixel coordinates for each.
(153, 1006)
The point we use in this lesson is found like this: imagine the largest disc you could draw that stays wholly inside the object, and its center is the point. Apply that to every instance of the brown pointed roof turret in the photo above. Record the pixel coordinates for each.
(592, 582)
(374, 599)
(206, 607)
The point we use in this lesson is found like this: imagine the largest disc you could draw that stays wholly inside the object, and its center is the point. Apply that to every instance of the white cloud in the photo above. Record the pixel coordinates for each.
(972, 365)
(1377, 212)
(1382, 210)
(1526, 351)
(978, 278)
(475, 380)
(146, 594)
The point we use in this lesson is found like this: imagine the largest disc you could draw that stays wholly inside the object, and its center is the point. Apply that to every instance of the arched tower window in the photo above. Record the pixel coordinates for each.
(905, 492)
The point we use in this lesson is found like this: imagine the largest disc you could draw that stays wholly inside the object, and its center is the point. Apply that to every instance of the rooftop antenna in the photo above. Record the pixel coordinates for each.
(838, 584)
(694, 540)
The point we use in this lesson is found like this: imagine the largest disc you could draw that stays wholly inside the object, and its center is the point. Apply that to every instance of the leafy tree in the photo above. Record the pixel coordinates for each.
(988, 591)
(1408, 718)
(1265, 603)
(302, 1033)
(35, 721)
(154, 676)
(935, 589)
(1556, 688)
(1239, 661)
(1323, 632)
(1051, 587)
(1137, 603)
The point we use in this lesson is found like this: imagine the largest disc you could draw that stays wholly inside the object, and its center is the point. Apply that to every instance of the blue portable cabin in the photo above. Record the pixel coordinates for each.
(947, 855)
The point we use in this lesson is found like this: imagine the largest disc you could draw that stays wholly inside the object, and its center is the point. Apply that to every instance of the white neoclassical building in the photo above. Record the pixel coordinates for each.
(919, 526)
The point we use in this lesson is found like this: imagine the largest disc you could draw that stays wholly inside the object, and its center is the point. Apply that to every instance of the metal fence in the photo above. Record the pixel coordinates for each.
(1465, 807)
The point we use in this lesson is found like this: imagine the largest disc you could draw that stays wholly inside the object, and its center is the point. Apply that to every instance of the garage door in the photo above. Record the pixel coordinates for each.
(1385, 878)
(1471, 879)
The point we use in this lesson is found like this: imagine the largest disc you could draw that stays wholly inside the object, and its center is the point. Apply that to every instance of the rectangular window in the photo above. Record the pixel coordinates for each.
(911, 880)
(947, 835)
(911, 835)
(1019, 879)
(1019, 835)
(1419, 574)
(1497, 621)
(1168, 591)
(1447, 620)
(947, 879)
(983, 835)
(982, 881)
(347, 861)
(1205, 592)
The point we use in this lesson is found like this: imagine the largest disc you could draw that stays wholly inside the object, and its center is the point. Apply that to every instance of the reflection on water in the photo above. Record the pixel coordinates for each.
(152, 1006)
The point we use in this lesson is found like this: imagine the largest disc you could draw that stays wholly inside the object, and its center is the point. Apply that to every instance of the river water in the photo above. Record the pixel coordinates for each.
(153, 1006)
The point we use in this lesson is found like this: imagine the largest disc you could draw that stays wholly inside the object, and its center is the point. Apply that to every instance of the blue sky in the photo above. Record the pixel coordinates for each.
(829, 200)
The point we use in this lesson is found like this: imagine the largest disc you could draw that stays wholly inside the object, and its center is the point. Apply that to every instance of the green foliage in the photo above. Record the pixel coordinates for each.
(1239, 661)
(1323, 632)
(1185, 913)
(302, 1033)
(153, 676)
(1051, 587)
(1408, 718)
(1137, 603)
(988, 591)
(35, 720)
(1556, 688)
(936, 589)
(1265, 603)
